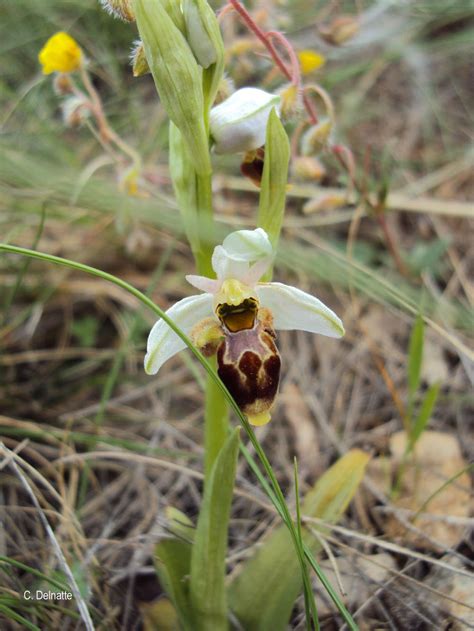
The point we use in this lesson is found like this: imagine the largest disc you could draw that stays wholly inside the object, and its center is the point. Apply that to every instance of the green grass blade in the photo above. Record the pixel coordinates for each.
(13, 615)
(309, 602)
(424, 415)
(415, 357)
(63, 587)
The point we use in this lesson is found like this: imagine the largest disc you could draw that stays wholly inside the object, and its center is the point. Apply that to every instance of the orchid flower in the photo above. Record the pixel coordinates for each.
(236, 317)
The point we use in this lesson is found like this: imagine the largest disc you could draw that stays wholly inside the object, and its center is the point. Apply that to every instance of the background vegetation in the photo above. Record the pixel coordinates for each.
(105, 449)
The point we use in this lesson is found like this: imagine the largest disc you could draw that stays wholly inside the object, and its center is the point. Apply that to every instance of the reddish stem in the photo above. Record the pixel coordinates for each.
(266, 38)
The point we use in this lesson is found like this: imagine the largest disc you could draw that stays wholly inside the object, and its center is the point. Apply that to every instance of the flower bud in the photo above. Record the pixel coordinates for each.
(138, 59)
(291, 102)
(340, 30)
(119, 9)
(198, 32)
(204, 38)
(308, 168)
(325, 201)
(239, 123)
(225, 89)
(74, 109)
(62, 85)
(177, 77)
(316, 137)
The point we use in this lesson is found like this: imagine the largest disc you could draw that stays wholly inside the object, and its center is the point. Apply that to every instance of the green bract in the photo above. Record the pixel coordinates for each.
(177, 75)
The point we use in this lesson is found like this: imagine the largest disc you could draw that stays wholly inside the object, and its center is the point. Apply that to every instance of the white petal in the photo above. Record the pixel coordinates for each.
(241, 249)
(209, 285)
(295, 309)
(163, 342)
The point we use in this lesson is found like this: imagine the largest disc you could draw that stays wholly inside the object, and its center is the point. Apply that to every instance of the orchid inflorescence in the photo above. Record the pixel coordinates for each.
(236, 318)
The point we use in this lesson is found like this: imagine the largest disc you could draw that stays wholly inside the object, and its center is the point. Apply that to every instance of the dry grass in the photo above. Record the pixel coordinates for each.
(94, 451)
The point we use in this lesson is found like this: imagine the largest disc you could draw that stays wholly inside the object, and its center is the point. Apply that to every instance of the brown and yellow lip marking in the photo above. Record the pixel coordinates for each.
(238, 317)
(249, 364)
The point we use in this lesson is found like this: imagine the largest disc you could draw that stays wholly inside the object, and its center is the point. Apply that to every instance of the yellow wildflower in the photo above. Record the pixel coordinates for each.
(310, 61)
(61, 53)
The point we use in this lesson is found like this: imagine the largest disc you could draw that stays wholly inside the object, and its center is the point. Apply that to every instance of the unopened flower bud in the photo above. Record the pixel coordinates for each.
(197, 30)
(225, 89)
(74, 109)
(240, 123)
(326, 201)
(316, 137)
(205, 40)
(308, 168)
(119, 9)
(340, 30)
(62, 85)
(291, 102)
(138, 60)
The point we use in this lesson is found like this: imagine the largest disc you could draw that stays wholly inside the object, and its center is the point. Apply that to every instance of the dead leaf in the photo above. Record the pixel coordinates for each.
(360, 578)
(459, 587)
(437, 458)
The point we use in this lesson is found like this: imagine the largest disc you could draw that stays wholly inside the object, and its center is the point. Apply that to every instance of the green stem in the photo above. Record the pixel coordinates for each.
(205, 228)
(216, 414)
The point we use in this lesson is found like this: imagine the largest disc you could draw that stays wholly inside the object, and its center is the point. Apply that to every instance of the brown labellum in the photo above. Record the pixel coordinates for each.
(252, 166)
(249, 365)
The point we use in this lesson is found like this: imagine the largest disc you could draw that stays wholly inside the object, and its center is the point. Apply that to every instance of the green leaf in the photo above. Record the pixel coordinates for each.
(172, 562)
(424, 415)
(274, 179)
(415, 356)
(207, 588)
(263, 593)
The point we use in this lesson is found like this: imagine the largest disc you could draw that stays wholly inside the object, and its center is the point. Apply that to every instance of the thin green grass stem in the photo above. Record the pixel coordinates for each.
(216, 423)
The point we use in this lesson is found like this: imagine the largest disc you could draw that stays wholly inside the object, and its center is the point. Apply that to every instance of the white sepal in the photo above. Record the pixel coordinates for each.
(293, 309)
(239, 123)
(244, 255)
(249, 245)
(163, 342)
